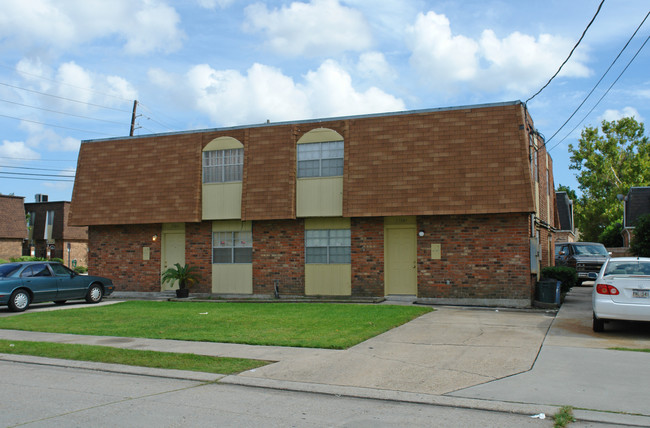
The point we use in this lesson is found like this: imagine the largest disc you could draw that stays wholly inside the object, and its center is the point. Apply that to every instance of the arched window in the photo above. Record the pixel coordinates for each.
(223, 161)
(320, 154)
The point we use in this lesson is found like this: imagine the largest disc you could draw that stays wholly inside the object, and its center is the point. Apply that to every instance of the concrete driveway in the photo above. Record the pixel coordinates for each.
(440, 352)
(577, 367)
(525, 361)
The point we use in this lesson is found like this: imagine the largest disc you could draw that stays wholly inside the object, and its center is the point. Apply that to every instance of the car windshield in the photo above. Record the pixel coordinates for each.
(7, 269)
(638, 267)
(590, 250)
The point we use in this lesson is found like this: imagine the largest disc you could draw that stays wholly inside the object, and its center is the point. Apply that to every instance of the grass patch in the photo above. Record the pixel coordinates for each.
(131, 357)
(630, 349)
(564, 417)
(312, 325)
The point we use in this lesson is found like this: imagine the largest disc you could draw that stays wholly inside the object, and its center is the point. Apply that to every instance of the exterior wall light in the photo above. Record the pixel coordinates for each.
(421, 233)
(154, 238)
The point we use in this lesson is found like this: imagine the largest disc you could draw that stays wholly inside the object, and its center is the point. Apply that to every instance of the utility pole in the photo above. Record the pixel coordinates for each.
(135, 106)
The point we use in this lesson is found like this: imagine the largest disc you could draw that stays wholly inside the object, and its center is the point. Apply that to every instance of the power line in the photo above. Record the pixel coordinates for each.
(605, 94)
(570, 53)
(151, 111)
(60, 112)
(600, 80)
(56, 126)
(61, 83)
(64, 98)
(39, 160)
(36, 179)
(26, 167)
(37, 175)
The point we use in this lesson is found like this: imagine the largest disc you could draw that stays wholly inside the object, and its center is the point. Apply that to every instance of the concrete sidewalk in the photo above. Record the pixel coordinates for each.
(526, 362)
(577, 367)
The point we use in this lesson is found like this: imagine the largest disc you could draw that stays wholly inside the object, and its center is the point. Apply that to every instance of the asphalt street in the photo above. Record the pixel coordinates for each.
(49, 396)
(506, 362)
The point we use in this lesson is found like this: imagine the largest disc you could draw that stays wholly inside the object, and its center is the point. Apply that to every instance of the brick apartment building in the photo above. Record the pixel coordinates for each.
(449, 205)
(50, 235)
(13, 227)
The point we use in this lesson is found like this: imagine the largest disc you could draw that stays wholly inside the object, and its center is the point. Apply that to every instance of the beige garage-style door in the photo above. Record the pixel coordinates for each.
(400, 259)
(173, 250)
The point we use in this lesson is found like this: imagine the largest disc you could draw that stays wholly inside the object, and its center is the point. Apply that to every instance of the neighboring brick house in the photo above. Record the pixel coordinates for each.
(13, 227)
(50, 236)
(565, 231)
(451, 205)
(637, 204)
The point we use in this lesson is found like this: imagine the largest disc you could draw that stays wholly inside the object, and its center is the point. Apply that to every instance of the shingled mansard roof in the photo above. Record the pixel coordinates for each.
(565, 211)
(637, 205)
(12, 212)
(462, 160)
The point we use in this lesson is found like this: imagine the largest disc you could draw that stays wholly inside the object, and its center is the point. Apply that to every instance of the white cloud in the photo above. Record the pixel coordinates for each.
(440, 55)
(374, 65)
(517, 63)
(263, 93)
(18, 150)
(318, 28)
(212, 4)
(38, 135)
(145, 25)
(331, 93)
(611, 114)
(73, 82)
(230, 98)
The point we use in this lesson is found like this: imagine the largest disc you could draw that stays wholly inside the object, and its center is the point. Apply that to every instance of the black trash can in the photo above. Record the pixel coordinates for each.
(548, 291)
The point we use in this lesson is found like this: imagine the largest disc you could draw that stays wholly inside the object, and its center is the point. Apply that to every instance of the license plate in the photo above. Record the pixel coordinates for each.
(643, 294)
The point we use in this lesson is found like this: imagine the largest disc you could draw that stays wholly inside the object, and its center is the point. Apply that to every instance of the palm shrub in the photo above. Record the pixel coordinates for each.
(185, 275)
(566, 275)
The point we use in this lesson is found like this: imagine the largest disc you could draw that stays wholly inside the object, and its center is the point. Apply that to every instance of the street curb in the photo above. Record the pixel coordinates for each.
(114, 368)
(527, 409)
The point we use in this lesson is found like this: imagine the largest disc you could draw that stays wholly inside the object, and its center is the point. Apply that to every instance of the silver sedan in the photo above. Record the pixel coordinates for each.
(622, 291)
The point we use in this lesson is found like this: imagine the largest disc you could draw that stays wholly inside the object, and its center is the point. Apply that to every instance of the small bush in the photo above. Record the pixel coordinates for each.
(611, 236)
(3, 261)
(34, 259)
(81, 269)
(564, 274)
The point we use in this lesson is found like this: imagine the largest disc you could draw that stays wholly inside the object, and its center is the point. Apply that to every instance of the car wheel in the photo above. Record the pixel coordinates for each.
(59, 302)
(19, 300)
(598, 325)
(95, 294)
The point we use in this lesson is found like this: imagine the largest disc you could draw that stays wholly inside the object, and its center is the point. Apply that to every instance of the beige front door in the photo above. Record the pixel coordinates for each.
(400, 260)
(173, 251)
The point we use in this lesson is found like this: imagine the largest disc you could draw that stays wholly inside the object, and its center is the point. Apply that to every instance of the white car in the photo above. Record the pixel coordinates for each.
(622, 291)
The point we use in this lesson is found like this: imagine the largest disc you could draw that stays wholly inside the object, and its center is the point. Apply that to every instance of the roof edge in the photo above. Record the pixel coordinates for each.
(315, 120)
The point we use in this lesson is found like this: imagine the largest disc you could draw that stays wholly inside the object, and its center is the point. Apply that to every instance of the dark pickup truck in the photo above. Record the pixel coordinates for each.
(584, 257)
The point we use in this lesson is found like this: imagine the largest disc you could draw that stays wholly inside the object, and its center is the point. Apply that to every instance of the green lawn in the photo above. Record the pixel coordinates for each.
(314, 325)
(104, 354)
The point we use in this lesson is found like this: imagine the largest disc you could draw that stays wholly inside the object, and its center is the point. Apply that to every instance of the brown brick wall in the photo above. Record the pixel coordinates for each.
(116, 253)
(10, 248)
(138, 180)
(198, 253)
(455, 161)
(269, 189)
(279, 254)
(483, 257)
(367, 256)
(464, 161)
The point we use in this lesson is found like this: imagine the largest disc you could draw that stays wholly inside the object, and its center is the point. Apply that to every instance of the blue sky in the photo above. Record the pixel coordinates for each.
(70, 70)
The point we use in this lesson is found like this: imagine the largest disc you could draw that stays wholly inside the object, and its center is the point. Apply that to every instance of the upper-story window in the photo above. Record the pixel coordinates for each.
(223, 166)
(323, 159)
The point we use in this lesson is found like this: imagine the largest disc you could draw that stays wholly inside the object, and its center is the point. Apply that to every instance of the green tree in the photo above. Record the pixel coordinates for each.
(640, 245)
(608, 164)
